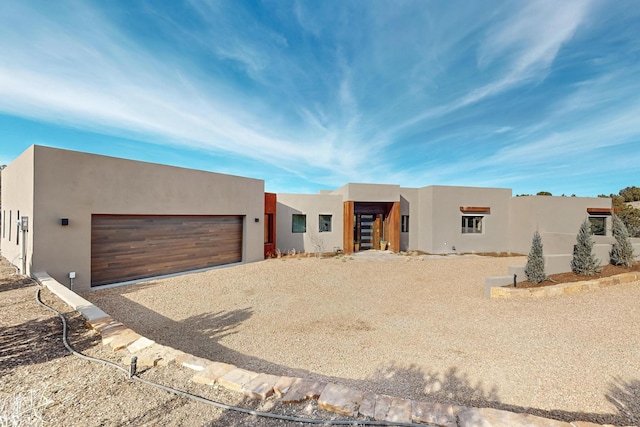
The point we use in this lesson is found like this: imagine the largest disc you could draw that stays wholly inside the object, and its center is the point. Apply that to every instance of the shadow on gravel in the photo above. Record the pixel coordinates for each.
(452, 387)
(625, 396)
(197, 335)
(156, 415)
(14, 282)
(34, 342)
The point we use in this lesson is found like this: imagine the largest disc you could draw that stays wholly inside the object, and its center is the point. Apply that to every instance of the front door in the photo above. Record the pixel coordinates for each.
(368, 230)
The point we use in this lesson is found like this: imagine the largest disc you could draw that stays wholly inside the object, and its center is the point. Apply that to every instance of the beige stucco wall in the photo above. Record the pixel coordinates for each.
(441, 219)
(410, 205)
(369, 192)
(17, 196)
(311, 205)
(557, 219)
(76, 185)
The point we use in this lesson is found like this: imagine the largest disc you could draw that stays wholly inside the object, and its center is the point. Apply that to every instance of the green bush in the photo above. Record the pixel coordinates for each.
(621, 251)
(584, 261)
(535, 261)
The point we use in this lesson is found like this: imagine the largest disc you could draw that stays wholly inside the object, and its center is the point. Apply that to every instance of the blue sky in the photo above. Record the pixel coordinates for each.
(309, 95)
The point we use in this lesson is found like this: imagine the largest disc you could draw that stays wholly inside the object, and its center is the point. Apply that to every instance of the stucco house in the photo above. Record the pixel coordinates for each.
(94, 220)
(106, 220)
(443, 220)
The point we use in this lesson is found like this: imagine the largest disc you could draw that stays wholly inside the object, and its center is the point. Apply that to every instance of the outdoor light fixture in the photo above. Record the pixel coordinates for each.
(64, 221)
(256, 219)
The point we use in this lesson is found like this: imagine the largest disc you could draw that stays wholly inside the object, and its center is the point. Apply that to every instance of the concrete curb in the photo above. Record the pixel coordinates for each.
(331, 397)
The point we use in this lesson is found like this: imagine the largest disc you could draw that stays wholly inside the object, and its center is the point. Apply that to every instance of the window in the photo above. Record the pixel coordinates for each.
(299, 223)
(472, 224)
(18, 229)
(324, 223)
(9, 225)
(598, 225)
(4, 223)
(404, 223)
(268, 228)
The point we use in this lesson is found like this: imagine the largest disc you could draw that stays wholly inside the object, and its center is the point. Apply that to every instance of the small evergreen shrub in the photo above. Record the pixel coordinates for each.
(535, 261)
(621, 251)
(584, 261)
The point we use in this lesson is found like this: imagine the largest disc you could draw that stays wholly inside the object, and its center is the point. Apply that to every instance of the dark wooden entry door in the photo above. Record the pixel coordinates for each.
(368, 230)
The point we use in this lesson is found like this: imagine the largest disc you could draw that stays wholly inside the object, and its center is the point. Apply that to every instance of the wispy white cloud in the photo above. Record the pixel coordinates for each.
(410, 92)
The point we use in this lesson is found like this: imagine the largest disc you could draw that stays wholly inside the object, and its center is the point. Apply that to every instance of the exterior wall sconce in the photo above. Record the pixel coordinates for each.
(256, 219)
(64, 221)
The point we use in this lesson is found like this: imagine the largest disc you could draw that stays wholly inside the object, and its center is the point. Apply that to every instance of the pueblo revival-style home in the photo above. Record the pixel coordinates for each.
(90, 220)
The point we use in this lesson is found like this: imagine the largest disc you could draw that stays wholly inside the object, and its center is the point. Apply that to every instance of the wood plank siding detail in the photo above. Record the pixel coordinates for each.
(130, 247)
(600, 211)
(475, 209)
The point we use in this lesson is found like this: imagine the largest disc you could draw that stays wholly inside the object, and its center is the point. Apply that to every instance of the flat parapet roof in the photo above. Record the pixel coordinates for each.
(369, 192)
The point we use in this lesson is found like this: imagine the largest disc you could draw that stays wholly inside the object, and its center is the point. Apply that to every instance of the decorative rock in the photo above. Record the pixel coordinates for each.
(260, 387)
(383, 403)
(368, 404)
(488, 417)
(212, 372)
(97, 324)
(121, 340)
(340, 399)
(170, 356)
(303, 389)
(283, 384)
(109, 332)
(400, 411)
(193, 362)
(145, 360)
(236, 379)
(139, 344)
(434, 413)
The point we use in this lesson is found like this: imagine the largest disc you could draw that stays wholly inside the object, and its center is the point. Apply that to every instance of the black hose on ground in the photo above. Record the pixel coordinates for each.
(201, 399)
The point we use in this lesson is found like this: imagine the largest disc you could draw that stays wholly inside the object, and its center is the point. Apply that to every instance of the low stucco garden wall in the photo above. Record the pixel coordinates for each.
(563, 288)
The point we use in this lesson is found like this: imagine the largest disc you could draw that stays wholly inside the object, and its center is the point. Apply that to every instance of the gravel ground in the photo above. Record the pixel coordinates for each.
(411, 327)
(55, 388)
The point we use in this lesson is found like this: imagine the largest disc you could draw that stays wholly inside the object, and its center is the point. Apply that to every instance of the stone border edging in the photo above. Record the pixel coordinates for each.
(563, 288)
(331, 397)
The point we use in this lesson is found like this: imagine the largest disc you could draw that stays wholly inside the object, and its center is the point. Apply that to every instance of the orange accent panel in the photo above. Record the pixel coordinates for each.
(347, 223)
(392, 227)
(270, 202)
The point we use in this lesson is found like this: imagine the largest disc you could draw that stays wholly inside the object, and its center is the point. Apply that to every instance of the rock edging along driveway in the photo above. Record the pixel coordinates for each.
(330, 396)
(563, 288)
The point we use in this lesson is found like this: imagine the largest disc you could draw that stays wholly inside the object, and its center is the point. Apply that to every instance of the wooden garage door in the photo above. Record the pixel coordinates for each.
(128, 247)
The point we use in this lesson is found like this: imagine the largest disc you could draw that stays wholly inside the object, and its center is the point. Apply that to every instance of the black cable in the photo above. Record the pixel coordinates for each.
(212, 402)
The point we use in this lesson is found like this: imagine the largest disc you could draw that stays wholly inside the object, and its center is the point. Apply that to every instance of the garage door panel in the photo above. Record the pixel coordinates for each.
(128, 247)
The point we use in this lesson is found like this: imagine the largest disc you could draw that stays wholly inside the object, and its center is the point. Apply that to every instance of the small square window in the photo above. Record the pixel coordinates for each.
(324, 223)
(472, 224)
(404, 223)
(598, 225)
(299, 223)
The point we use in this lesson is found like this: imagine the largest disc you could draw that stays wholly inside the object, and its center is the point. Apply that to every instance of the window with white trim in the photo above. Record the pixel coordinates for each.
(324, 223)
(472, 224)
(299, 223)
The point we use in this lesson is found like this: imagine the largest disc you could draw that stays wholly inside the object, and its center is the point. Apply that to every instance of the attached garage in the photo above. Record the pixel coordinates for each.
(130, 247)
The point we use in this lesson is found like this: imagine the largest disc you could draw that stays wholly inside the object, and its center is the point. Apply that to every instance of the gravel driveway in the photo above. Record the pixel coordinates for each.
(411, 327)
